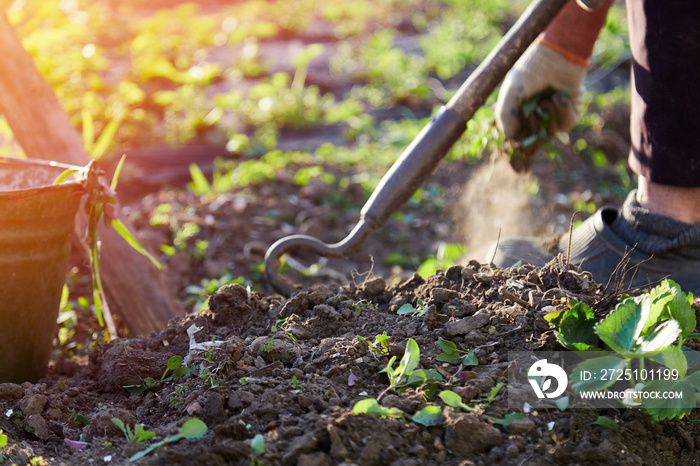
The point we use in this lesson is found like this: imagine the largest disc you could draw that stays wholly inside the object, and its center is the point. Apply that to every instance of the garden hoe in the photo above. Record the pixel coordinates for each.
(421, 157)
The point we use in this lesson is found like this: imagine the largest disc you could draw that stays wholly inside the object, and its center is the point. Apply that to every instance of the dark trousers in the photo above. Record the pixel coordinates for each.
(665, 115)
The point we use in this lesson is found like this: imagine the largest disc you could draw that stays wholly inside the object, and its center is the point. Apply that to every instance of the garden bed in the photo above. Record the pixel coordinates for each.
(275, 381)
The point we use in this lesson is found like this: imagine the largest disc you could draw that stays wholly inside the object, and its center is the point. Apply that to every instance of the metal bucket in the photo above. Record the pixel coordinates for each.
(36, 224)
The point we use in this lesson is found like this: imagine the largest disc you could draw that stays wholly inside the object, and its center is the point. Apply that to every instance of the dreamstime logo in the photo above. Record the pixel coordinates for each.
(540, 376)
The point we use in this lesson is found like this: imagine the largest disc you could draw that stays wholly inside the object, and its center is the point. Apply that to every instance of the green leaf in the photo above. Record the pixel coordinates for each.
(3, 440)
(117, 171)
(64, 175)
(669, 408)
(596, 368)
(410, 360)
(606, 422)
(105, 139)
(452, 399)
(65, 294)
(447, 346)
(653, 306)
(450, 353)
(200, 184)
(138, 389)
(621, 328)
(119, 423)
(429, 416)
(507, 419)
(420, 376)
(406, 309)
(694, 379)
(692, 357)
(142, 435)
(494, 391)
(470, 358)
(174, 362)
(445, 357)
(554, 317)
(371, 406)
(193, 428)
(561, 403)
(258, 445)
(576, 327)
(182, 371)
(661, 338)
(124, 232)
(680, 309)
(673, 358)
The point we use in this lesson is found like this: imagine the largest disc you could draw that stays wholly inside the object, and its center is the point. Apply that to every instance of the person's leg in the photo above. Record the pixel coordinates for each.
(676, 202)
(665, 99)
(657, 230)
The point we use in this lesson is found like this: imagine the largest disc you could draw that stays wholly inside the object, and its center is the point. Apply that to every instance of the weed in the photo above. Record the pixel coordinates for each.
(99, 206)
(428, 416)
(139, 435)
(257, 444)
(372, 406)
(20, 421)
(452, 399)
(418, 311)
(407, 373)
(76, 419)
(63, 382)
(507, 419)
(277, 331)
(191, 429)
(431, 415)
(209, 369)
(174, 365)
(3, 444)
(380, 346)
(606, 423)
(177, 396)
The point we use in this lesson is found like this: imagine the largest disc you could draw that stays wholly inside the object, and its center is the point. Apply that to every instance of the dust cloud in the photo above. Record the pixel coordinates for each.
(495, 197)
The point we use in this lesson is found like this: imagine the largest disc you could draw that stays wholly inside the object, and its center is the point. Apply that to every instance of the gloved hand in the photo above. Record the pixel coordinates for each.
(540, 68)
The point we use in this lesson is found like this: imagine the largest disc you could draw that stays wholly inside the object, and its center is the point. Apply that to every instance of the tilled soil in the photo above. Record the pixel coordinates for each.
(296, 381)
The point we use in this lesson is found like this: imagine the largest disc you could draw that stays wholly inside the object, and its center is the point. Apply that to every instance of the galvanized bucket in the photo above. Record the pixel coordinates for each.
(36, 223)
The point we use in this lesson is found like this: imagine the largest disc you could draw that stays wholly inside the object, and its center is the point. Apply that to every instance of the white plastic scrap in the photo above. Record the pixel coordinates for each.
(198, 347)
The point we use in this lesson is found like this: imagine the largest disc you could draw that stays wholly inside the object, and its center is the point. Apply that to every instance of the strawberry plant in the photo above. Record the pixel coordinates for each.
(648, 329)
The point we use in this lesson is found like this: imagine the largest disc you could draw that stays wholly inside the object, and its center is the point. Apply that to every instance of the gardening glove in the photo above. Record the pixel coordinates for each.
(541, 68)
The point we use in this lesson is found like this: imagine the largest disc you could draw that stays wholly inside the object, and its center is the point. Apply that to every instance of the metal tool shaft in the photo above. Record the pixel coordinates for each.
(422, 156)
